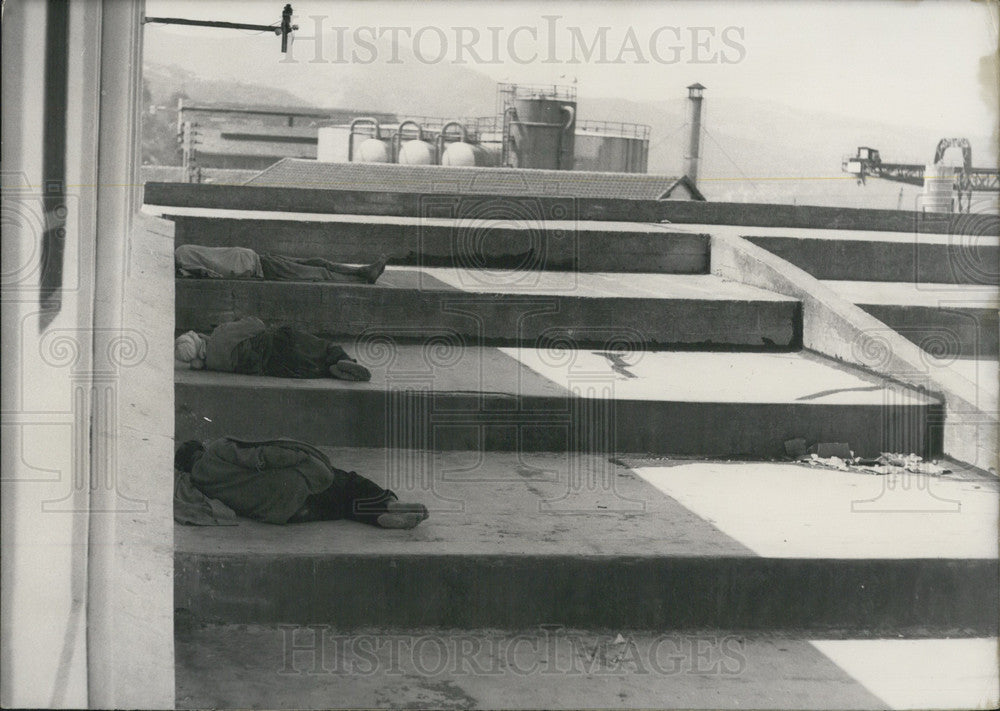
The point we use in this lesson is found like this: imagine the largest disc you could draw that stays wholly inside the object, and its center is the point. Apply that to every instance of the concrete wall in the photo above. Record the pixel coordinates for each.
(533, 246)
(679, 211)
(399, 204)
(959, 260)
(841, 218)
(87, 361)
(425, 306)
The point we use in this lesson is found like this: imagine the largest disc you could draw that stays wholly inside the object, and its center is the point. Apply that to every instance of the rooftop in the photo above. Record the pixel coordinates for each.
(393, 177)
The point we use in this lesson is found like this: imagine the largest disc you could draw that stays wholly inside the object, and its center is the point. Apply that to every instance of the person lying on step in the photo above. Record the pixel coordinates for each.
(251, 347)
(191, 260)
(287, 481)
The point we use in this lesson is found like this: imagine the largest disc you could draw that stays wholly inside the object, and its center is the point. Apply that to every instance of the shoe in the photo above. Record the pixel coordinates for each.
(399, 520)
(374, 270)
(407, 507)
(348, 370)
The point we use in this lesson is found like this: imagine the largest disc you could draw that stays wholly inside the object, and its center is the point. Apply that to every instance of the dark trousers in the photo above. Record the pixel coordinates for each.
(351, 496)
(281, 268)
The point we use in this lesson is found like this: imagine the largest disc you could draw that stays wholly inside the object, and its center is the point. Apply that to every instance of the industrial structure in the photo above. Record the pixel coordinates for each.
(234, 136)
(942, 183)
(696, 93)
(533, 126)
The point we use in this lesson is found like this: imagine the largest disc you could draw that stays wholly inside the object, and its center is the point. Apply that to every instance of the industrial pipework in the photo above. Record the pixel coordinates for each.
(377, 136)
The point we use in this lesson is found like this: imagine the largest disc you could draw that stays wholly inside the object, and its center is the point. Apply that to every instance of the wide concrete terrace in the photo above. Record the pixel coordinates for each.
(593, 416)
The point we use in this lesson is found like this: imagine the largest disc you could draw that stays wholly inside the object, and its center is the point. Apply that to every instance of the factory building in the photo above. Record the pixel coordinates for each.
(234, 136)
(533, 126)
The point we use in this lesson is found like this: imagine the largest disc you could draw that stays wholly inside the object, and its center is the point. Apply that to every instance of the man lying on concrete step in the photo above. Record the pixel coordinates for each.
(251, 347)
(191, 260)
(286, 481)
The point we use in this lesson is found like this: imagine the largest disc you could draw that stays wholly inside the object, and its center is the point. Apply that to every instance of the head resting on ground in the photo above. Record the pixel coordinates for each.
(190, 348)
(187, 454)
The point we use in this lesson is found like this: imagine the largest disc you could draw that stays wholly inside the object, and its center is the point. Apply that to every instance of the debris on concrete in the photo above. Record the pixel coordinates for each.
(887, 463)
(833, 449)
(795, 448)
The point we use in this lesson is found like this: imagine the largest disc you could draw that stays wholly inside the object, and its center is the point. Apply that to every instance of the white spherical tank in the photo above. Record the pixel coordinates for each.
(372, 150)
(467, 155)
(416, 153)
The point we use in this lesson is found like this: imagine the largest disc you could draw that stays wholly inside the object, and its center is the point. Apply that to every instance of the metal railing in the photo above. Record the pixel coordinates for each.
(616, 128)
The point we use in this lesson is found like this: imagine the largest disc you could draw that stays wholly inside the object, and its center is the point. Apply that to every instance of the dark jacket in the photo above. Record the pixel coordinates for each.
(266, 480)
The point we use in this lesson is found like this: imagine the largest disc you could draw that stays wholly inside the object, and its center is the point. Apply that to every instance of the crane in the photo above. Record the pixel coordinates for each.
(868, 163)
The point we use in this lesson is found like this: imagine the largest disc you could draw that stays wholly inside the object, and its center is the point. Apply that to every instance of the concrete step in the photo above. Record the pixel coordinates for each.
(949, 321)
(890, 256)
(450, 202)
(505, 307)
(229, 666)
(869, 255)
(519, 540)
(441, 395)
(816, 217)
(494, 241)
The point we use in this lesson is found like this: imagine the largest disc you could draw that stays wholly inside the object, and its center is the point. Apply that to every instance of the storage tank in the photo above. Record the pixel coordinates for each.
(542, 130)
(366, 144)
(603, 152)
(416, 153)
(468, 155)
(939, 185)
(372, 150)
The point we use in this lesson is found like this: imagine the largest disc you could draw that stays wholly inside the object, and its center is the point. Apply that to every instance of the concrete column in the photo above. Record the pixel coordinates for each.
(130, 584)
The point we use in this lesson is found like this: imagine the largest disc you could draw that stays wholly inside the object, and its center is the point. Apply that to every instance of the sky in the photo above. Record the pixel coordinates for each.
(906, 62)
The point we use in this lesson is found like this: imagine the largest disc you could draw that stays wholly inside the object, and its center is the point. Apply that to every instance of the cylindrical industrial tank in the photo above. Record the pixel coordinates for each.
(939, 185)
(372, 150)
(543, 130)
(332, 142)
(467, 155)
(611, 150)
(416, 153)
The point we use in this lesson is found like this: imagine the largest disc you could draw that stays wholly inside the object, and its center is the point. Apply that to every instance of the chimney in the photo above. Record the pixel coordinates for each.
(694, 145)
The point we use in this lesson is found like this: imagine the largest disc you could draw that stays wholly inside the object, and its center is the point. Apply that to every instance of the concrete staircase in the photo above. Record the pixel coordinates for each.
(551, 391)
(479, 352)
(939, 291)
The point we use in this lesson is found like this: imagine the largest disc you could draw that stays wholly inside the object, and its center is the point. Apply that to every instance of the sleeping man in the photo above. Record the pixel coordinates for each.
(191, 260)
(286, 481)
(251, 347)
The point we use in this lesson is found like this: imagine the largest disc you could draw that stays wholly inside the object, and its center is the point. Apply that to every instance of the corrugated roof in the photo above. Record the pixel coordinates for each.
(393, 177)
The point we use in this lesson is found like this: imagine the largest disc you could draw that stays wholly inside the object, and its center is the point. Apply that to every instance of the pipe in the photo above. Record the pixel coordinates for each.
(572, 115)
(350, 138)
(397, 138)
(439, 143)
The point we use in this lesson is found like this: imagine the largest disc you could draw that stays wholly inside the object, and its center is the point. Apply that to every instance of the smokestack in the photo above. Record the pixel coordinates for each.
(694, 145)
